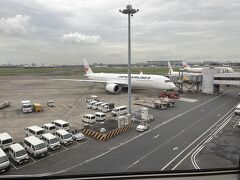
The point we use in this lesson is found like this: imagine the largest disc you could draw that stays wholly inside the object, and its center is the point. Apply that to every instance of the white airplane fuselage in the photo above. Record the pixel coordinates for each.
(137, 80)
(175, 73)
(195, 70)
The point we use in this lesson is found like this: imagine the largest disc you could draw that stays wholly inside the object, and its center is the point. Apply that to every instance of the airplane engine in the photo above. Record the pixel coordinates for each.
(113, 88)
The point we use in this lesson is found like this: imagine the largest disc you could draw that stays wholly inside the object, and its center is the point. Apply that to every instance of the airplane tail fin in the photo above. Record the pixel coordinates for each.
(86, 67)
(170, 69)
(185, 65)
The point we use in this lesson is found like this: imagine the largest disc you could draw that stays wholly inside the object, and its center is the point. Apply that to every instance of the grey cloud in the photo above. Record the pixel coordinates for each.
(206, 29)
(80, 38)
(15, 25)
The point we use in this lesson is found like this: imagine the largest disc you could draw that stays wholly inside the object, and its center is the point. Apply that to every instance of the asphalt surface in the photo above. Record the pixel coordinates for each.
(156, 148)
(170, 140)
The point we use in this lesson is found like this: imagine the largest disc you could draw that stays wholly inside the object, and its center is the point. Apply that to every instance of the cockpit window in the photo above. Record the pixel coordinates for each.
(167, 81)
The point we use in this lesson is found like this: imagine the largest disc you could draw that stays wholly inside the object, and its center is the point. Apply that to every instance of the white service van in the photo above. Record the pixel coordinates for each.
(96, 105)
(119, 110)
(108, 108)
(49, 127)
(4, 161)
(35, 146)
(51, 141)
(61, 124)
(100, 116)
(64, 137)
(27, 106)
(89, 118)
(91, 103)
(34, 131)
(237, 109)
(100, 107)
(5, 140)
(18, 153)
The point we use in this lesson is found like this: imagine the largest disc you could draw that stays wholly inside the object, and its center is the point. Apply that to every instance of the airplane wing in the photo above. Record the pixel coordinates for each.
(89, 80)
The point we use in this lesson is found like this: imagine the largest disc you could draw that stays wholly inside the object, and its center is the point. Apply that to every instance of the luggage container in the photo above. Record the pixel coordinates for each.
(37, 107)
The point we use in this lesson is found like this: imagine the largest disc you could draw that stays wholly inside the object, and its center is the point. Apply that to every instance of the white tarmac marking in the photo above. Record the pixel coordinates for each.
(50, 108)
(156, 136)
(65, 106)
(193, 143)
(66, 149)
(63, 147)
(126, 142)
(191, 152)
(187, 99)
(173, 137)
(193, 156)
(236, 124)
(32, 159)
(168, 121)
(57, 107)
(50, 153)
(13, 166)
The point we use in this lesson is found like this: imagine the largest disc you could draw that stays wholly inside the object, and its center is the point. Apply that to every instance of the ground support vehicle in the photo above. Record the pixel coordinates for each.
(158, 103)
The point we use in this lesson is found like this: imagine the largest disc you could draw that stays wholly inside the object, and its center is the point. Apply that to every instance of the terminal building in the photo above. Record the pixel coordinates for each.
(209, 82)
(212, 80)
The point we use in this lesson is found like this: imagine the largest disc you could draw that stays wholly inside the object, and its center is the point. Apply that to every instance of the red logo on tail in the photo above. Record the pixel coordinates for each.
(86, 68)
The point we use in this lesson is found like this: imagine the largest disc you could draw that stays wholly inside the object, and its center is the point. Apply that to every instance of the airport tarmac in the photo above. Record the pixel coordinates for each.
(173, 134)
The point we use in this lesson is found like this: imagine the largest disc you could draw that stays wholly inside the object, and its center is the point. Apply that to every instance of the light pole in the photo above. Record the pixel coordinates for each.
(129, 11)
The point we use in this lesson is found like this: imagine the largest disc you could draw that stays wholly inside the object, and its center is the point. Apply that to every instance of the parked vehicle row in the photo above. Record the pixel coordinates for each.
(120, 110)
(100, 116)
(37, 143)
(37, 146)
(93, 118)
(100, 106)
(27, 106)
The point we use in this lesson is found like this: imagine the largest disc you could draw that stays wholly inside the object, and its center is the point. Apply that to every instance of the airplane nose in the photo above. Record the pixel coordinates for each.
(172, 86)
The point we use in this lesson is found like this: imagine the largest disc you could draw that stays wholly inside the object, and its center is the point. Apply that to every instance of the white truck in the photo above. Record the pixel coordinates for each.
(27, 106)
(108, 108)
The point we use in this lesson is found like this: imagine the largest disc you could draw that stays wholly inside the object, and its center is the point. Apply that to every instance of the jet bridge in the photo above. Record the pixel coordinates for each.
(212, 80)
(227, 78)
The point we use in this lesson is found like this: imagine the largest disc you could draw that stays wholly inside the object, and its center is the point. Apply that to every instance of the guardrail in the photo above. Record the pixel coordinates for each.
(108, 135)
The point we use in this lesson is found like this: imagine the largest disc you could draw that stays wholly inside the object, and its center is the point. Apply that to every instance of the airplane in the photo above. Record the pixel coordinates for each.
(188, 68)
(115, 82)
(176, 73)
(200, 69)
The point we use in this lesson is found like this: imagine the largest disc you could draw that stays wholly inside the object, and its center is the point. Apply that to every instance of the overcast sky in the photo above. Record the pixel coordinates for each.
(64, 31)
